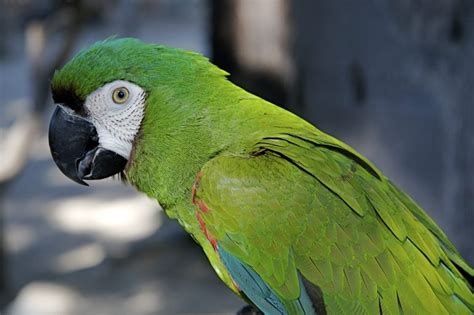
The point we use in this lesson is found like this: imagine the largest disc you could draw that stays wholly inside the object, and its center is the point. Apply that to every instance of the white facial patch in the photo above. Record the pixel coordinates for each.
(117, 110)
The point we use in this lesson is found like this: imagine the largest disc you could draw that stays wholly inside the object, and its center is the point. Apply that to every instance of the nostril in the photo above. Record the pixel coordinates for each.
(93, 142)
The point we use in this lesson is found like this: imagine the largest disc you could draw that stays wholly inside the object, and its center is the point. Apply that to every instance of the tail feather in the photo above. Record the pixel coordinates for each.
(262, 295)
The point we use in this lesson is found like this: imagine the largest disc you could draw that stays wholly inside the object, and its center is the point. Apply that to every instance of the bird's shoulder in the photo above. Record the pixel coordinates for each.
(306, 201)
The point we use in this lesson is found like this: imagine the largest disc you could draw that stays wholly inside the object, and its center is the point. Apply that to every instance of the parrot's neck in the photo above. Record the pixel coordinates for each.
(181, 131)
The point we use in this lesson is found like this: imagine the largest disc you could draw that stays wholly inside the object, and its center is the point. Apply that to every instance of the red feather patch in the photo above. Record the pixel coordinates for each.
(204, 229)
(202, 206)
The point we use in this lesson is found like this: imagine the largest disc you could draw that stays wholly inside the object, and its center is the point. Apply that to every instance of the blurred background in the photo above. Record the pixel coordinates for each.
(393, 78)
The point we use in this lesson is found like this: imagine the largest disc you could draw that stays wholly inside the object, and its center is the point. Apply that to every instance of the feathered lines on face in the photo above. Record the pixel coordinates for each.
(117, 110)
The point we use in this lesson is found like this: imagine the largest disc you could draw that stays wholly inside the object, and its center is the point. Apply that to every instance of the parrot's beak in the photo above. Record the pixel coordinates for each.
(75, 148)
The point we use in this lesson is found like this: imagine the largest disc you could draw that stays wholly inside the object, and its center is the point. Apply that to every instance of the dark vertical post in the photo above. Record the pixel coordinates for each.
(250, 40)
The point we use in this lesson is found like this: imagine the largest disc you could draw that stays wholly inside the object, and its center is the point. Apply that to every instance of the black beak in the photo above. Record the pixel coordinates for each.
(75, 148)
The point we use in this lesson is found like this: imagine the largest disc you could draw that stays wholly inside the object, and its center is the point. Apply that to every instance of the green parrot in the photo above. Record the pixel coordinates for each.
(291, 219)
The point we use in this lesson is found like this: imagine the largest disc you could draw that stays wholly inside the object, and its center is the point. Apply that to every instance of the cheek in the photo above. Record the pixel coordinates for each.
(97, 109)
(127, 122)
(118, 122)
(122, 124)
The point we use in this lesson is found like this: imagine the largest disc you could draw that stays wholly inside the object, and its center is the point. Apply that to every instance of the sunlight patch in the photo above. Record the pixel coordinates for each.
(119, 219)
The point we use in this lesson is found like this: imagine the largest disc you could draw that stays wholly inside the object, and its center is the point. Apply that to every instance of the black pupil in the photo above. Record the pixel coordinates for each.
(121, 94)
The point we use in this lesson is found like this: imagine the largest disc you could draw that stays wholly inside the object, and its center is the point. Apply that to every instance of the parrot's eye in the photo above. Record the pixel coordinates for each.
(120, 95)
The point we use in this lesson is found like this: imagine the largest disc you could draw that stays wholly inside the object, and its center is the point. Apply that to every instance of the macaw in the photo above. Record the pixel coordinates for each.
(291, 219)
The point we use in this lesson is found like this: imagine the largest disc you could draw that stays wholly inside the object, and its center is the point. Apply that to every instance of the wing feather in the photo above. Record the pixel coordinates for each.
(308, 204)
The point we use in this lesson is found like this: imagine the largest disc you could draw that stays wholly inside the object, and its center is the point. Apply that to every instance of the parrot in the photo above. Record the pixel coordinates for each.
(292, 220)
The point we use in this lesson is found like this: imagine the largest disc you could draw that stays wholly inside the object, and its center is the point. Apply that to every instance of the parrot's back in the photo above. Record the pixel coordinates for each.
(303, 200)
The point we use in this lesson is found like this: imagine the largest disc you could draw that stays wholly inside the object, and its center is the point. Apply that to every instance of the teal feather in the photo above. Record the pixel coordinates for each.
(257, 291)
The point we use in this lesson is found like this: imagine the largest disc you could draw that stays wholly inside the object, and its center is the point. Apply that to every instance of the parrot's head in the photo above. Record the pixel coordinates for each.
(101, 97)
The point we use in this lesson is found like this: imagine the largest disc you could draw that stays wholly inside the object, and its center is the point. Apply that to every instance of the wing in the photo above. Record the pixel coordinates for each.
(302, 206)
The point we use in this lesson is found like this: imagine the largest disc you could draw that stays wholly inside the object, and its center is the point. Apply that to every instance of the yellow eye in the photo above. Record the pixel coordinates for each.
(120, 95)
